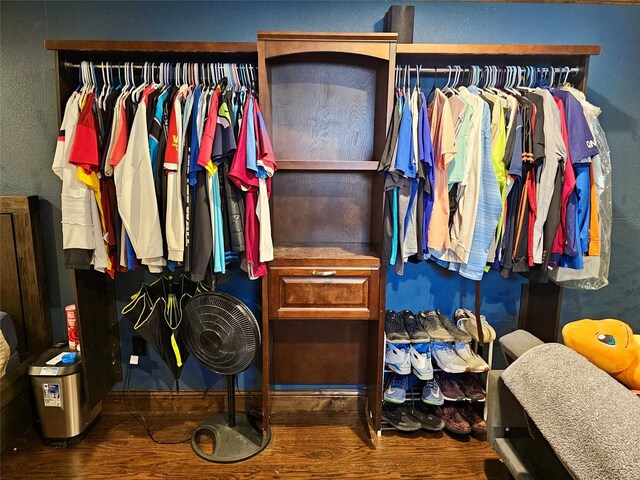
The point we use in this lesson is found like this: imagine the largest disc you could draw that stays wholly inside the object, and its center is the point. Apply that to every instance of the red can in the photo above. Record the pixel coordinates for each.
(72, 327)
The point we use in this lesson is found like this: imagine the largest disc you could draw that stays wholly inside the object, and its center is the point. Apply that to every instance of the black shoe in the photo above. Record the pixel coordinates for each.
(428, 420)
(400, 419)
(457, 334)
(413, 326)
(394, 328)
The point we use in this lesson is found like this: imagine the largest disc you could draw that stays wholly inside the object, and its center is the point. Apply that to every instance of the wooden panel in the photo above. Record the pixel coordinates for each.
(33, 281)
(321, 207)
(99, 338)
(339, 255)
(320, 352)
(495, 49)
(540, 305)
(10, 295)
(375, 360)
(266, 356)
(275, 49)
(328, 36)
(322, 110)
(15, 418)
(325, 293)
(149, 46)
(327, 165)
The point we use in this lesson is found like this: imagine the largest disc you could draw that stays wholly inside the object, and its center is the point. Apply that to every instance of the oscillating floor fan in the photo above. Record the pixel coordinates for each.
(222, 333)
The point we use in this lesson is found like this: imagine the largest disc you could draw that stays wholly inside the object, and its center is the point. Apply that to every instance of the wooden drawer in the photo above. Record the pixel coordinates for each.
(332, 293)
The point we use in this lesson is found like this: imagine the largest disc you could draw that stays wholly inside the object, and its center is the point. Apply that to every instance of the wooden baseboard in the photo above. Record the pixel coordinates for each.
(283, 402)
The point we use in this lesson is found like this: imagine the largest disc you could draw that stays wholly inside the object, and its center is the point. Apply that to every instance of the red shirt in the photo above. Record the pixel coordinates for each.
(84, 151)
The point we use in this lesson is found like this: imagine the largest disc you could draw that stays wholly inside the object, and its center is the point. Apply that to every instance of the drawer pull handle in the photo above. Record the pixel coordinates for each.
(323, 273)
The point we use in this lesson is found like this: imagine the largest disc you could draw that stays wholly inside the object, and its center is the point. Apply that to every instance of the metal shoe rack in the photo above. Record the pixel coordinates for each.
(414, 394)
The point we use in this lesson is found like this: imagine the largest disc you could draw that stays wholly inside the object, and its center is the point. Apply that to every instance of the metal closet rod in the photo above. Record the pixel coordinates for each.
(138, 66)
(562, 70)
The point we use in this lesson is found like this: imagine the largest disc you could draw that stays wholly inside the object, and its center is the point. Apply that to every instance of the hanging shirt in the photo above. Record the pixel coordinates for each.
(136, 195)
(489, 207)
(444, 150)
(77, 223)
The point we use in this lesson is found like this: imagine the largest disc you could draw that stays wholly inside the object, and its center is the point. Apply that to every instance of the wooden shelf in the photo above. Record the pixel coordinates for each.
(328, 36)
(495, 49)
(150, 46)
(327, 165)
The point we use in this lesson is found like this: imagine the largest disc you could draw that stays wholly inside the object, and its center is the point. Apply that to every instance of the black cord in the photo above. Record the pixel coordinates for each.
(142, 420)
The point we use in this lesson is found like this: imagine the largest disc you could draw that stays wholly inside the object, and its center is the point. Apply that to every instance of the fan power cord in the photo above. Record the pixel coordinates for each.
(141, 419)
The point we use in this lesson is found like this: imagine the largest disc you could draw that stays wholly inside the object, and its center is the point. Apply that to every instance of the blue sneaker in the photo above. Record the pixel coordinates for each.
(420, 355)
(396, 357)
(431, 393)
(396, 392)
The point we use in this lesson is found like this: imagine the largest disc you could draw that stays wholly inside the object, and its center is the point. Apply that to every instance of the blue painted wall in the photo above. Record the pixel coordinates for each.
(28, 123)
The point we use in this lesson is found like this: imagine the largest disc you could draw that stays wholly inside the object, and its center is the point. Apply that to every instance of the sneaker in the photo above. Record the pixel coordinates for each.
(400, 419)
(466, 321)
(457, 334)
(428, 420)
(414, 327)
(397, 358)
(431, 393)
(434, 328)
(476, 422)
(420, 355)
(472, 387)
(453, 421)
(475, 361)
(396, 392)
(450, 388)
(394, 328)
(447, 358)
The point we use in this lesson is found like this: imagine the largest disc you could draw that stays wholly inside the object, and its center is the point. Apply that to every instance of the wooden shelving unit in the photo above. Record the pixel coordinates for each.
(326, 201)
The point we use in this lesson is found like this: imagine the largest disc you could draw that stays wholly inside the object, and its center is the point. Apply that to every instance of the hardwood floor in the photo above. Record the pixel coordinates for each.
(311, 445)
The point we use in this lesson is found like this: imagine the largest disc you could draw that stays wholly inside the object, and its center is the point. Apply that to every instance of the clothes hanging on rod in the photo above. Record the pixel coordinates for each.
(504, 173)
(150, 167)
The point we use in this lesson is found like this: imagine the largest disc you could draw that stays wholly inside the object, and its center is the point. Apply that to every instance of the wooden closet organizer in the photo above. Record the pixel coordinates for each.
(327, 100)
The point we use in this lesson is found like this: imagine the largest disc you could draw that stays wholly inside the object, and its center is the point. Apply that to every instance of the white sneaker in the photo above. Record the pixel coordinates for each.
(466, 320)
(420, 355)
(397, 358)
(475, 361)
(447, 358)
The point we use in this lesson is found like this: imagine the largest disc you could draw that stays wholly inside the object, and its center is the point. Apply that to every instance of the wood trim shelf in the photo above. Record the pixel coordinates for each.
(150, 46)
(324, 165)
(495, 49)
(328, 36)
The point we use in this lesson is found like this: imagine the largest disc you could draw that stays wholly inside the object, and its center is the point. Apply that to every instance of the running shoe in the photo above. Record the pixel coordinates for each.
(431, 393)
(447, 358)
(434, 328)
(397, 358)
(476, 422)
(428, 420)
(396, 392)
(420, 355)
(453, 421)
(475, 361)
(394, 328)
(471, 385)
(450, 389)
(414, 327)
(400, 419)
(457, 334)
(466, 320)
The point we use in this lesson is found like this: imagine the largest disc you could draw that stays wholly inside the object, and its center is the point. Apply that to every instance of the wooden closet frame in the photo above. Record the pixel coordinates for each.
(94, 294)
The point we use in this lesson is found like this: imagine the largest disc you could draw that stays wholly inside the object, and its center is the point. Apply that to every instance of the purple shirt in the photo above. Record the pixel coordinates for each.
(425, 154)
(582, 145)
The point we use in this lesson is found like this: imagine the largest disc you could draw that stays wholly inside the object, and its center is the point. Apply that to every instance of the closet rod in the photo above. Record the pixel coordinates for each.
(562, 70)
(69, 65)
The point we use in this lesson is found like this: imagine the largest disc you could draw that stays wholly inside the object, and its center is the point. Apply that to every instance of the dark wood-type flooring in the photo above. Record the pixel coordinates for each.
(311, 445)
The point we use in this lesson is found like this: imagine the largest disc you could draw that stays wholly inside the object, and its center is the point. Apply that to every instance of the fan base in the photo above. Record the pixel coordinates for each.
(231, 444)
